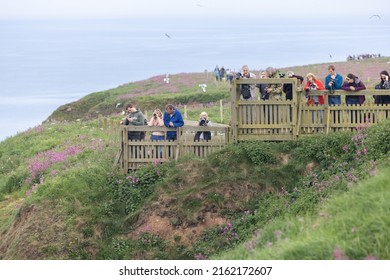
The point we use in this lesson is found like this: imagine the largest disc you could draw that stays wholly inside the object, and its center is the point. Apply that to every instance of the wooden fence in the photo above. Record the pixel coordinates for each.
(134, 154)
(254, 120)
(289, 119)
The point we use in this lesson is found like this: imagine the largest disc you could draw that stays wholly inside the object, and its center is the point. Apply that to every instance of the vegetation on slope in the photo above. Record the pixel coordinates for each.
(64, 199)
(61, 197)
(184, 89)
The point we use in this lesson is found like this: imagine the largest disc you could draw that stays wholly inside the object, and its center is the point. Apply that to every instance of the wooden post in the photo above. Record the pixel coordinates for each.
(234, 93)
(293, 110)
(221, 109)
(185, 112)
(125, 150)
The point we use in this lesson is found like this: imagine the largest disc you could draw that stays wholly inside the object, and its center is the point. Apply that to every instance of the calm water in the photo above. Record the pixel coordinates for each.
(46, 64)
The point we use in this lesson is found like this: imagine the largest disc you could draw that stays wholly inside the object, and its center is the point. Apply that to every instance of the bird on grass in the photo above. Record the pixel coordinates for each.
(166, 79)
(203, 87)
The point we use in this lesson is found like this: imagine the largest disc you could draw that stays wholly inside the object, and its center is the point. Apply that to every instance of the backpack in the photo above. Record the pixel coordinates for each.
(246, 91)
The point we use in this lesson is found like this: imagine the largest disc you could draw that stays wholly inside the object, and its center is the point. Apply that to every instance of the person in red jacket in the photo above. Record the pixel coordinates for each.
(313, 84)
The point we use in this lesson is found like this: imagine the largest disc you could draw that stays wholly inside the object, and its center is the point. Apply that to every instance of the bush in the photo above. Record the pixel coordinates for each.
(378, 140)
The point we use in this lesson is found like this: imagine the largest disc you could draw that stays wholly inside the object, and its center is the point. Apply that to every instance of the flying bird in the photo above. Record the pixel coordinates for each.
(167, 36)
(375, 16)
(330, 56)
(117, 105)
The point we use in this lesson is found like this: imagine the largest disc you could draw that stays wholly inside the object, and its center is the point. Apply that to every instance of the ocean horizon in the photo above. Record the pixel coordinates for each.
(46, 64)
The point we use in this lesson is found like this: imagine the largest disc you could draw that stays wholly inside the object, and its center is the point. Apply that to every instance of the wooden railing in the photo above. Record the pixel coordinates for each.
(134, 154)
(255, 120)
(289, 119)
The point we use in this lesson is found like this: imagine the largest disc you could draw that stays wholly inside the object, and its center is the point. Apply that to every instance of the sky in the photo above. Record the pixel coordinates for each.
(102, 9)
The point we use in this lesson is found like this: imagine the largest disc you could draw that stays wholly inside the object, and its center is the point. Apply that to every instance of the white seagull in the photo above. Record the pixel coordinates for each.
(166, 79)
(203, 87)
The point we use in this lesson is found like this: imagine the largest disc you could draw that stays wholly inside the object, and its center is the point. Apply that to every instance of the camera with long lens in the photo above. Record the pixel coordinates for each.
(155, 115)
(203, 121)
(238, 75)
(331, 87)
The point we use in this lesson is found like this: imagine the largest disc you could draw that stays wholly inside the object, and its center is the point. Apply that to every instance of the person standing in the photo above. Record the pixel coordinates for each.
(274, 91)
(203, 121)
(287, 88)
(202, 135)
(333, 81)
(157, 121)
(384, 84)
(352, 83)
(134, 118)
(172, 118)
(314, 84)
(248, 91)
(216, 73)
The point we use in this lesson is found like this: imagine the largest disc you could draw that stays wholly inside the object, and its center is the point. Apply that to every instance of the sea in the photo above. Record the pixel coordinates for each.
(47, 63)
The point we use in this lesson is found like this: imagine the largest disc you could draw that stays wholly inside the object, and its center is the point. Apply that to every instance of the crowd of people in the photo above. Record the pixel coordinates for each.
(222, 74)
(333, 81)
(363, 56)
(172, 118)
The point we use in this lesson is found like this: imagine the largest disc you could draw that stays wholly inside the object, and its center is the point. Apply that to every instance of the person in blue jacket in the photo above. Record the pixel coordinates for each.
(333, 81)
(172, 118)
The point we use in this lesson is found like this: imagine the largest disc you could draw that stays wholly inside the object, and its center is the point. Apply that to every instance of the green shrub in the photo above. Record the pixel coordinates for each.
(378, 140)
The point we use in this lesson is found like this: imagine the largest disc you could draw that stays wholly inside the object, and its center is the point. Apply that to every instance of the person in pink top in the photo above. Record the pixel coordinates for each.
(157, 120)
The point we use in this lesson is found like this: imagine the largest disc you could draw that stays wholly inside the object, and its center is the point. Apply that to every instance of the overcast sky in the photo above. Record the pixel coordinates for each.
(63, 9)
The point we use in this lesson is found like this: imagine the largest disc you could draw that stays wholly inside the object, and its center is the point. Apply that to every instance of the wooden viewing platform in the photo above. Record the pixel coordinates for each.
(262, 120)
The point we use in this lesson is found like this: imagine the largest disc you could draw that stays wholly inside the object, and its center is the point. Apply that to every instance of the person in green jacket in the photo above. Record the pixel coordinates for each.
(134, 118)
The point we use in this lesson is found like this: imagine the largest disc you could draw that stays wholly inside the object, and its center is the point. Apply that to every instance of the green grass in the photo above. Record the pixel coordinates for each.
(353, 225)
(313, 198)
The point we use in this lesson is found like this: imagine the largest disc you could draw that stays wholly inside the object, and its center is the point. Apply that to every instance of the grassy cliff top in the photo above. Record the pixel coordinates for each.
(61, 196)
(183, 89)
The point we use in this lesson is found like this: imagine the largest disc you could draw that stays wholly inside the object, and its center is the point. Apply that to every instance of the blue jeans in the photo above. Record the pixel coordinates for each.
(352, 100)
(334, 100)
(159, 149)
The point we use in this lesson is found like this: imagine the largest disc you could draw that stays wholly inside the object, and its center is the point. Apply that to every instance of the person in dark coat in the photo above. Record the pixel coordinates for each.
(287, 88)
(384, 84)
(203, 121)
(352, 83)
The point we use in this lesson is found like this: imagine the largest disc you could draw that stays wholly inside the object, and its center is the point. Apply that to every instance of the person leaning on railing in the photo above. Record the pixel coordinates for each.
(157, 120)
(274, 91)
(172, 118)
(134, 118)
(384, 84)
(333, 81)
(313, 84)
(353, 83)
(288, 88)
(203, 121)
